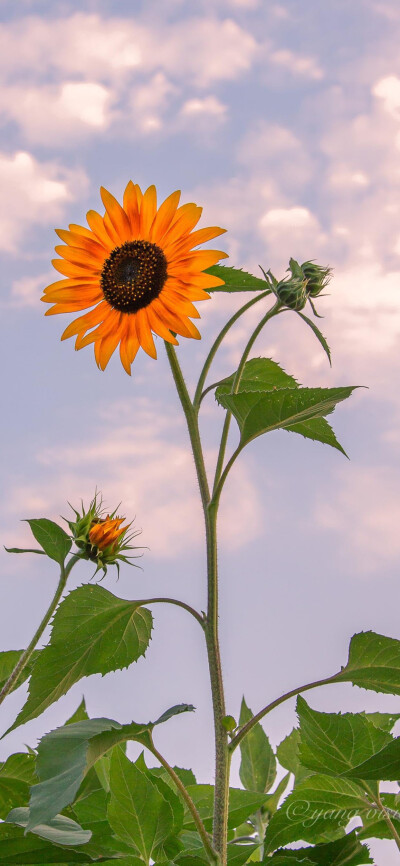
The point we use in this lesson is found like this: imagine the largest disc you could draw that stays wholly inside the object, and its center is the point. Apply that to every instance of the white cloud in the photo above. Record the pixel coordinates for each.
(208, 106)
(201, 49)
(297, 64)
(27, 290)
(365, 511)
(149, 102)
(276, 151)
(160, 488)
(33, 192)
(388, 89)
(54, 114)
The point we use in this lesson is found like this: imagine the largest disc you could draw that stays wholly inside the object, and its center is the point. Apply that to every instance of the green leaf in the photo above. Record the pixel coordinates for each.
(288, 755)
(51, 537)
(319, 430)
(384, 765)
(236, 280)
(93, 632)
(59, 830)
(24, 550)
(80, 714)
(261, 413)
(138, 812)
(17, 774)
(374, 663)
(91, 813)
(8, 661)
(242, 804)
(346, 851)
(263, 374)
(66, 754)
(239, 854)
(374, 825)
(259, 374)
(16, 849)
(385, 721)
(320, 337)
(316, 810)
(258, 765)
(271, 804)
(335, 744)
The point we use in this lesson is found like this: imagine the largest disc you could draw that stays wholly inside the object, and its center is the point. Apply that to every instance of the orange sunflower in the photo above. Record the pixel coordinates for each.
(138, 267)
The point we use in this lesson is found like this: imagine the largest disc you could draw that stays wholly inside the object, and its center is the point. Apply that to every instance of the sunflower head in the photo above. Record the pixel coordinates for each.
(102, 538)
(136, 271)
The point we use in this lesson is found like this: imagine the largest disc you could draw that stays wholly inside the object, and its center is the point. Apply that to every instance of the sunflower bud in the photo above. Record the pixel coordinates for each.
(292, 292)
(317, 278)
(102, 538)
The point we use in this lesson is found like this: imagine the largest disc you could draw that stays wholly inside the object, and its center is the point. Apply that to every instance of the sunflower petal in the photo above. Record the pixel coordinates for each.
(91, 245)
(144, 333)
(131, 208)
(80, 257)
(89, 320)
(117, 215)
(158, 326)
(164, 216)
(96, 223)
(148, 209)
(187, 216)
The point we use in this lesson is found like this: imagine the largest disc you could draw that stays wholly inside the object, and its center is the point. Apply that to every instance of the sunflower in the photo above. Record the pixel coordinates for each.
(140, 271)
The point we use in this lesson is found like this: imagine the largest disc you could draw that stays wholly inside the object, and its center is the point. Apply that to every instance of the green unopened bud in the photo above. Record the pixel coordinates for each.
(101, 537)
(317, 278)
(293, 292)
(229, 723)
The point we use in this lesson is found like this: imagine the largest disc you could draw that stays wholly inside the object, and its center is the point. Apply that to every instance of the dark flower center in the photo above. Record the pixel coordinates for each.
(133, 275)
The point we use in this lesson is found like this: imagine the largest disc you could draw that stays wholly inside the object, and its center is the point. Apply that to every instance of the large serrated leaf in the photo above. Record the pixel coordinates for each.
(263, 374)
(8, 661)
(51, 537)
(315, 811)
(374, 663)
(259, 374)
(66, 754)
(16, 849)
(336, 743)
(241, 805)
(258, 413)
(138, 812)
(93, 632)
(346, 851)
(236, 280)
(258, 765)
(60, 830)
(17, 774)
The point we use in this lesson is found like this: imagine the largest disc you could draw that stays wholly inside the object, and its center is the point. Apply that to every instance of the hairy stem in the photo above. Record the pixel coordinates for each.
(215, 346)
(211, 854)
(385, 814)
(26, 655)
(222, 758)
(195, 613)
(273, 311)
(250, 724)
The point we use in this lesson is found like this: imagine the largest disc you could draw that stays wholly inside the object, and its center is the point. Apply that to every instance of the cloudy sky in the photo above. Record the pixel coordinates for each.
(282, 119)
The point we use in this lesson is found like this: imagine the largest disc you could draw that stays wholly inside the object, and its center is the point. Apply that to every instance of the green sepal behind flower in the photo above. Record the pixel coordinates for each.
(101, 537)
(292, 292)
(317, 278)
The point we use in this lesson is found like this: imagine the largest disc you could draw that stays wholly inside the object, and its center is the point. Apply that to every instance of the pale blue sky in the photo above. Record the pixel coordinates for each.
(283, 120)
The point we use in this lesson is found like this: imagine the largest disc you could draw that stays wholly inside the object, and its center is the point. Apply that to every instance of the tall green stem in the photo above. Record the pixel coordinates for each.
(217, 342)
(222, 757)
(27, 654)
(273, 311)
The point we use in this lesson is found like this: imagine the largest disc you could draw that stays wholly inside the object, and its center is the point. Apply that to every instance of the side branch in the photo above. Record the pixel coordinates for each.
(211, 853)
(292, 694)
(178, 603)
